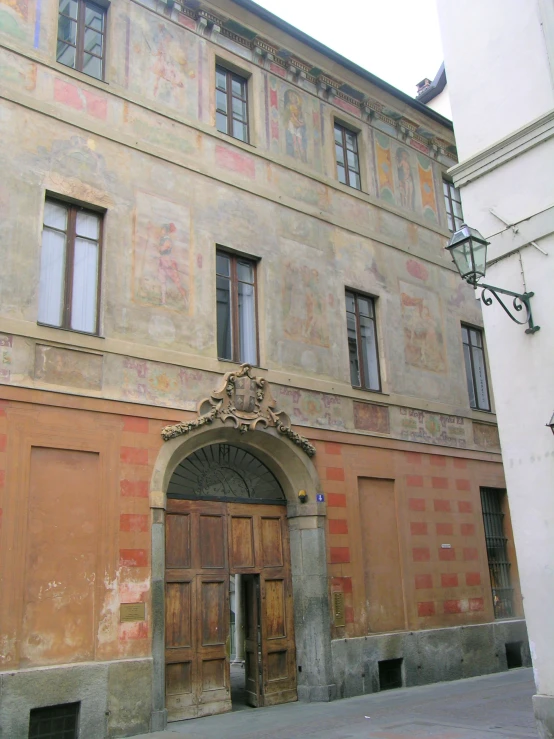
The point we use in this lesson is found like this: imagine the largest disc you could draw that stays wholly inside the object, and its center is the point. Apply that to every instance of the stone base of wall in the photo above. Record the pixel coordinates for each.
(115, 697)
(430, 656)
(543, 706)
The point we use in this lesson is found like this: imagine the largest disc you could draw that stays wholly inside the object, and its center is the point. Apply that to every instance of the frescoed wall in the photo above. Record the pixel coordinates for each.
(160, 65)
(424, 346)
(405, 177)
(295, 123)
(161, 253)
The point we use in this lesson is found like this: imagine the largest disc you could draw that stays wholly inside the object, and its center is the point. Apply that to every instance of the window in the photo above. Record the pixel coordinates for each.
(362, 341)
(231, 103)
(453, 203)
(82, 36)
(346, 150)
(237, 336)
(476, 372)
(492, 501)
(70, 267)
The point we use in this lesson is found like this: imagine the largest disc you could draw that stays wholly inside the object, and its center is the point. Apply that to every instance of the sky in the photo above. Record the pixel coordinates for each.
(397, 40)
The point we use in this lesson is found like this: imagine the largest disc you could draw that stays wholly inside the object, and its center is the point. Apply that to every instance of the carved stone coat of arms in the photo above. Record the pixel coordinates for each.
(245, 401)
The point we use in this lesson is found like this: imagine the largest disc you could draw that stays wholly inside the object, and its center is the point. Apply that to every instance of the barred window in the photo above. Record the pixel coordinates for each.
(492, 501)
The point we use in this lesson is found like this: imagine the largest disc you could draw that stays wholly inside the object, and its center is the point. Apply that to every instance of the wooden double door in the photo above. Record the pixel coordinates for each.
(206, 542)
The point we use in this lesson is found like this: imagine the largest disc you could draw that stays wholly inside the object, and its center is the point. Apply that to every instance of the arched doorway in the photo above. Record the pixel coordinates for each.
(305, 527)
(226, 524)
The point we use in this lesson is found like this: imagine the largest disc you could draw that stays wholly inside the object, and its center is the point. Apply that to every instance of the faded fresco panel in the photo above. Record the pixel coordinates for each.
(161, 252)
(163, 61)
(371, 417)
(486, 436)
(427, 188)
(167, 385)
(424, 346)
(14, 18)
(303, 297)
(6, 344)
(430, 428)
(309, 408)
(16, 71)
(295, 123)
(405, 177)
(68, 367)
(385, 179)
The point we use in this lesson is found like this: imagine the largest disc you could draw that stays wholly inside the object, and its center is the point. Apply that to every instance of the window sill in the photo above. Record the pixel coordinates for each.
(78, 75)
(369, 390)
(239, 364)
(70, 330)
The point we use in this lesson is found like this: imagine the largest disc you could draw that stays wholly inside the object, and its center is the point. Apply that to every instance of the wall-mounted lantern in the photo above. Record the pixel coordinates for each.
(302, 496)
(468, 250)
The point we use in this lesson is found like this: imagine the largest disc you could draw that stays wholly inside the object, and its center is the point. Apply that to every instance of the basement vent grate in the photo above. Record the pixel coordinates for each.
(54, 722)
(513, 654)
(390, 674)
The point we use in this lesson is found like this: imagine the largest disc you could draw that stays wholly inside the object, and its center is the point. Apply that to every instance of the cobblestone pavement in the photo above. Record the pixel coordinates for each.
(491, 707)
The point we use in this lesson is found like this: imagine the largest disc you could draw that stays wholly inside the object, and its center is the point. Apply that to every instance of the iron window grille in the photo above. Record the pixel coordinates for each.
(346, 153)
(499, 567)
(231, 102)
(476, 369)
(54, 722)
(237, 331)
(453, 204)
(70, 267)
(362, 341)
(82, 36)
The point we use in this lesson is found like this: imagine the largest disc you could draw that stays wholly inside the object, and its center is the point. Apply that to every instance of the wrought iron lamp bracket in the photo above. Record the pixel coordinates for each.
(520, 301)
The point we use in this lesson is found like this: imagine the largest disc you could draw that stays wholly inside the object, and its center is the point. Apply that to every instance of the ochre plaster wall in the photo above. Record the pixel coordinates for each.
(56, 611)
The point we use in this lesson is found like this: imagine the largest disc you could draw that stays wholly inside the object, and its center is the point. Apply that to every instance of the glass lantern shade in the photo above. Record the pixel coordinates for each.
(469, 253)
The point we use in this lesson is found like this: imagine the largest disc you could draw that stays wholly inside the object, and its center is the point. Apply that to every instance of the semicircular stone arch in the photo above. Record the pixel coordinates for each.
(293, 471)
(227, 473)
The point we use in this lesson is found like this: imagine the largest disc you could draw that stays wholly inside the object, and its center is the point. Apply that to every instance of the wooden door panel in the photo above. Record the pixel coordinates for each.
(277, 620)
(241, 542)
(214, 678)
(214, 598)
(212, 541)
(178, 543)
(178, 614)
(275, 609)
(252, 665)
(272, 541)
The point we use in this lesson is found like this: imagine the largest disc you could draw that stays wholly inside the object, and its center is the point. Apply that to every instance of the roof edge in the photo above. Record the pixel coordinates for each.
(435, 88)
(296, 33)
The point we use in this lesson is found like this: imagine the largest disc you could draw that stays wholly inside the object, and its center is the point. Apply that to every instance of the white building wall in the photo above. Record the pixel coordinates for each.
(499, 59)
(497, 68)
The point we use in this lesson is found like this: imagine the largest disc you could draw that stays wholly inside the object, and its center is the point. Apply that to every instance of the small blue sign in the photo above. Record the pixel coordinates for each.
(320, 498)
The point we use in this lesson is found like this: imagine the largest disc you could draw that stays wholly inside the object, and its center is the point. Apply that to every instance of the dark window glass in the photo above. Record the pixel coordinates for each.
(70, 267)
(237, 335)
(476, 371)
(82, 36)
(346, 152)
(231, 104)
(453, 205)
(492, 501)
(362, 341)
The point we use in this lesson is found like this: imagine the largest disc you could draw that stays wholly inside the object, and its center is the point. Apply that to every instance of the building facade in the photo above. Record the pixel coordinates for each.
(233, 349)
(507, 192)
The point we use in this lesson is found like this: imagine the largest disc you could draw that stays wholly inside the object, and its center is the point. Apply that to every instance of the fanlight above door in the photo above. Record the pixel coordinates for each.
(226, 473)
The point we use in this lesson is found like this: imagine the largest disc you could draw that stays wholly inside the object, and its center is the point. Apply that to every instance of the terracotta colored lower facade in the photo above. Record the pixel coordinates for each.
(387, 554)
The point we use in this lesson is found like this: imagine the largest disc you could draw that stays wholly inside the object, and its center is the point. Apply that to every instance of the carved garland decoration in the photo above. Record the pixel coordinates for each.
(247, 401)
